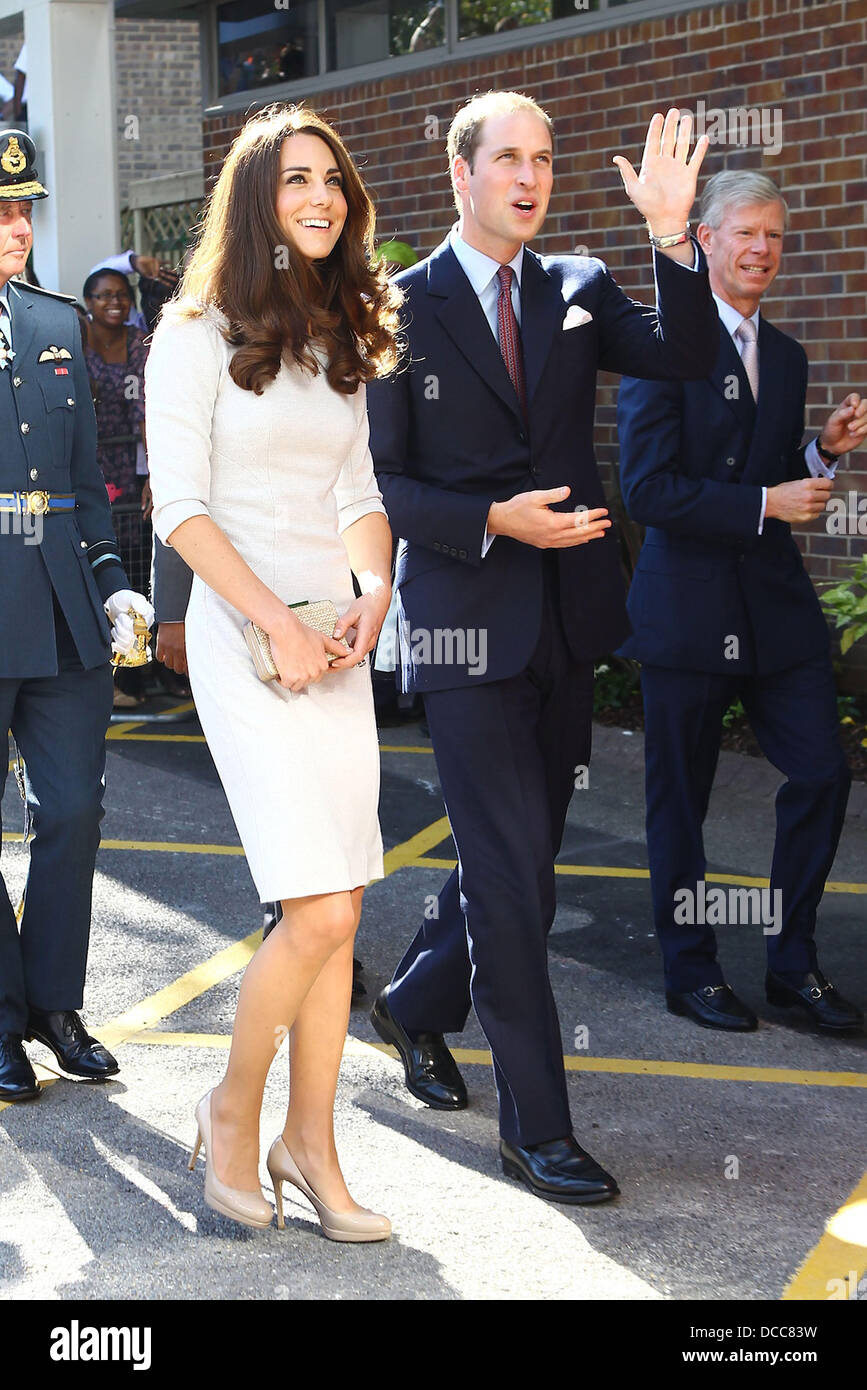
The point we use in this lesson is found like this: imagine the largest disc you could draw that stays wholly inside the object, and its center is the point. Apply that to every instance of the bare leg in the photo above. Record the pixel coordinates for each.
(316, 1044)
(274, 987)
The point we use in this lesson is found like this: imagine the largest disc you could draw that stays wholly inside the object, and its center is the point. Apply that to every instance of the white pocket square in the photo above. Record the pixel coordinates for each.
(575, 316)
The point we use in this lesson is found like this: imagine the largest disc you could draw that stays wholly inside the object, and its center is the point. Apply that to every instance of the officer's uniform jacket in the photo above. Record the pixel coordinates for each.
(48, 443)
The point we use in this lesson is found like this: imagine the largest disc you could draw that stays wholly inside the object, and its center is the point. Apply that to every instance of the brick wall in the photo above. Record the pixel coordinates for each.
(158, 82)
(808, 63)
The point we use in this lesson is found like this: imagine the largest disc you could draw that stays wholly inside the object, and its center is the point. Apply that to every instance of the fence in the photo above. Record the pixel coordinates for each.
(162, 213)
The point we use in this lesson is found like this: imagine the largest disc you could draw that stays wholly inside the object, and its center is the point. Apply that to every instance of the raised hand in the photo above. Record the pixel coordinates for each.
(846, 428)
(664, 189)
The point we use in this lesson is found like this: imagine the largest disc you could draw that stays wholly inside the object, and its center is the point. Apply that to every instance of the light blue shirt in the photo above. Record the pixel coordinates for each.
(481, 271)
(731, 320)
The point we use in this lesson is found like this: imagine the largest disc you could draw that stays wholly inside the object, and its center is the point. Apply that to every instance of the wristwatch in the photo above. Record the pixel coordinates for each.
(662, 243)
(826, 453)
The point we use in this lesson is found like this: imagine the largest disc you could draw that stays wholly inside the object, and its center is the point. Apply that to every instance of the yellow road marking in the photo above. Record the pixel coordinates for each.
(626, 1066)
(610, 871)
(121, 732)
(116, 731)
(182, 991)
(836, 1266)
(149, 846)
(410, 850)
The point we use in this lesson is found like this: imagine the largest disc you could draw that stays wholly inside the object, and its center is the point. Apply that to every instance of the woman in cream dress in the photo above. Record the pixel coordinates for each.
(263, 481)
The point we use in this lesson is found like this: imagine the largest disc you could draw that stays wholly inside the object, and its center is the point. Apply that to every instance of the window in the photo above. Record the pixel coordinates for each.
(260, 45)
(365, 31)
(477, 17)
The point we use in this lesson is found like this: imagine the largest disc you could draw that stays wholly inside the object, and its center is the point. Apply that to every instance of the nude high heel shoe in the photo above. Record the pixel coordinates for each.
(250, 1208)
(337, 1225)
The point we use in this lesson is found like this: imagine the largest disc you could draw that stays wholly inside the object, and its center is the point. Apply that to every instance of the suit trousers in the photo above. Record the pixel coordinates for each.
(506, 753)
(59, 725)
(793, 714)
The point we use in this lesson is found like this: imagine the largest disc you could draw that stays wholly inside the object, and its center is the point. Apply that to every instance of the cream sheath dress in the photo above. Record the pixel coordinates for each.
(282, 474)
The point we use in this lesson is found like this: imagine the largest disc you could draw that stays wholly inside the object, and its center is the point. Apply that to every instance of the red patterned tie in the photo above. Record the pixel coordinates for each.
(509, 335)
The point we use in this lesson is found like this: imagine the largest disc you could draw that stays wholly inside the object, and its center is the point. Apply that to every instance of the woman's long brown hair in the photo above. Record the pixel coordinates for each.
(276, 300)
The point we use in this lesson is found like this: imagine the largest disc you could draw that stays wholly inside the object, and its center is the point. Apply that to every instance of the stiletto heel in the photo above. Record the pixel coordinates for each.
(278, 1196)
(192, 1163)
(360, 1225)
(250, 1208)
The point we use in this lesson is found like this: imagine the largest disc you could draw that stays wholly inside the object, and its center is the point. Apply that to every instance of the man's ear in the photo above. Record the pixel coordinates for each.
(460, 171)
(703, 235)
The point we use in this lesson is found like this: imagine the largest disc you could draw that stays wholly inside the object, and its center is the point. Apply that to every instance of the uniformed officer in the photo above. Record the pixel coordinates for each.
(64, 606)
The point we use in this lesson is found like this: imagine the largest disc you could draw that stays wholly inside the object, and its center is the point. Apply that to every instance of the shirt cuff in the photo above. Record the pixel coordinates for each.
(487, 542)
(764, 509)
(816, 464)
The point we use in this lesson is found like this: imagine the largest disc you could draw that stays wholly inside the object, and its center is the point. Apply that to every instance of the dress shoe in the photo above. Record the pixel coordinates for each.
(827, 1010)
(714, 1006)
(76, 1051)
(560, 1171)
(362, 1225)
(249, 1208)
(17, 1077)
(431, 1071)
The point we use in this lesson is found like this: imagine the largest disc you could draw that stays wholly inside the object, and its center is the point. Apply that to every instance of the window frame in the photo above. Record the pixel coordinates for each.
(454, 50)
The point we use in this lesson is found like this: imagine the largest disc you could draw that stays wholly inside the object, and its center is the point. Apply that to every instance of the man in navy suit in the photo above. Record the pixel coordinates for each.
(509, 585)
(60, 575)
(721, 606)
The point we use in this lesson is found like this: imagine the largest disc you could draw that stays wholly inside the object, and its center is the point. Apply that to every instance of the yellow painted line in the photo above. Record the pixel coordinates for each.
(403, 748)
(835, 1267)
(609, 871)
(627, 1066)
(116, 731)
(231, 959)
(406, 853)
(161, 738)
(181, 992)
(149, 846)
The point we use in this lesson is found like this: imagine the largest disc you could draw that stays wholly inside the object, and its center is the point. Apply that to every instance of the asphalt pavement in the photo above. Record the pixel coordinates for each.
(741, 1159)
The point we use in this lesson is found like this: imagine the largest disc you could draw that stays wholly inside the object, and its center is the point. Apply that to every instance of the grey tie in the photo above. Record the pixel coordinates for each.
(746, 331)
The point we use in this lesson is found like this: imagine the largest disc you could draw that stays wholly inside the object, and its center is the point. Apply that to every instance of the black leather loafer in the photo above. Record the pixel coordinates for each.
(816, 996)
(17, 1077)
(714, 1006)
(559, 1171)
(430, 1069)
(76, 1051)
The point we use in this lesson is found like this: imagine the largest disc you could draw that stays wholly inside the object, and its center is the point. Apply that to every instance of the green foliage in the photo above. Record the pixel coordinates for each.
(398, 252)
(847, 603)
(734, 714)
(615, 685)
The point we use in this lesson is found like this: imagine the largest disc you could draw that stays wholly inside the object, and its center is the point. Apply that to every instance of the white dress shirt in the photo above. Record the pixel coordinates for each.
(6, 314)
(732, 319)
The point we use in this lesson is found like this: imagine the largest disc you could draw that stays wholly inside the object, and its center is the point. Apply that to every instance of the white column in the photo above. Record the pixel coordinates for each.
(72, 120)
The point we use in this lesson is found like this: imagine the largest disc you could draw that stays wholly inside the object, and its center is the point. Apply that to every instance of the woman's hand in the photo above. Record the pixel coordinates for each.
(172, 647)
(300, 653)
(360, 625)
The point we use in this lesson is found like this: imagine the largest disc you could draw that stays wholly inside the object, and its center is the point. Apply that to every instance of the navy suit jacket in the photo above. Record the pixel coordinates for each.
(693, 459)
(55, 453)
(448, 438)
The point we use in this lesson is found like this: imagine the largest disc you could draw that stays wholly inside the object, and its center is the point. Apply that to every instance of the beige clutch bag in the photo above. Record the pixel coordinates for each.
(321, 616)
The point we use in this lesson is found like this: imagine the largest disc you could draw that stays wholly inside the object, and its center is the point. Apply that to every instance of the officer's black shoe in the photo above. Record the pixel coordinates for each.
(76, 1051)
(714, 1006)
(17, 1077)
(430, 1069)
(559, 1171)
(827, 1010)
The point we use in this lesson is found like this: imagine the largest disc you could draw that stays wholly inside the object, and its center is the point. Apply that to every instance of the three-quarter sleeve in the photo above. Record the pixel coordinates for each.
(182, 377)
(356, 490)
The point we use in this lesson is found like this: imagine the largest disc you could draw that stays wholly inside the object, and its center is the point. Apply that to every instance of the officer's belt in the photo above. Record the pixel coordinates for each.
(36, 503)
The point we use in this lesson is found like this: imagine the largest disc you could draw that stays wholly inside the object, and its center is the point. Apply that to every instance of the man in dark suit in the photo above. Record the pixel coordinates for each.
(721, 606)
(509, 586)
(61, 575)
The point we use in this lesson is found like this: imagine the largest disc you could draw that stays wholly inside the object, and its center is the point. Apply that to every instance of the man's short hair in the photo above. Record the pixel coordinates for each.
(465, 131)
(734, 188)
